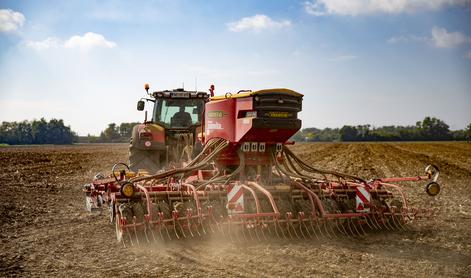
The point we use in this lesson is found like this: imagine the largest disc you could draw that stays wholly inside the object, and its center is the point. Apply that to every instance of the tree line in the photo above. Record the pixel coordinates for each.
(430, 129)
(55, 132)
(112, 134)
(36, 132)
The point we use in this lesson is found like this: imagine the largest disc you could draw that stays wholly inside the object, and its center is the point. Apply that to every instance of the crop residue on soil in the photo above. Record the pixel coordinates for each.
(45, 231)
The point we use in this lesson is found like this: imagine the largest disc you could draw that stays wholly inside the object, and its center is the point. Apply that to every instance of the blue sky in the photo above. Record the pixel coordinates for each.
(356, 61)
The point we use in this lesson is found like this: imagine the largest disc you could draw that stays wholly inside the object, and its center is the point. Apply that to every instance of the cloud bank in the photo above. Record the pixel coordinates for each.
(257, 23)
(440, 38)
(367, 7)
(86, 42)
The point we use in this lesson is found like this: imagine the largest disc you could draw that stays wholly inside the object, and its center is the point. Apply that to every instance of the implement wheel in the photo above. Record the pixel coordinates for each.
(144, 160)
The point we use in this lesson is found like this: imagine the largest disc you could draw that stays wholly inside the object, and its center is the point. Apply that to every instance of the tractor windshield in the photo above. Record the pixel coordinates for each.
(178, 113)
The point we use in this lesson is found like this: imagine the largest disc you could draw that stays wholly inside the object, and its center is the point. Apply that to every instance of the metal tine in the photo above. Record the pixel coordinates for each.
(201, 223)
(276, 230)
(339, 226)
(332, 228)
(325, 228)
(360, 225)
(210, 227)
(290, 225)
(129, 237)
(175, 228)
(245, 228)
(403, 223)
(255, 229)
(229, 230)
(285, 232)
(350, 229)
(196, 225)
(134, 228)
(270, 231)
(166, 230)
(263, 228)
(302, 224)
(367, 221)
(387, 224)
(354, 227)
(160, 232)
(300, 228)
(312, 227)
(394, 221)
(343, 231)
(203, 229)
(188, 223)
(375, 221)
(317, 225)
(383, 221)
(152, 232)
(145, 234)
(287, 229)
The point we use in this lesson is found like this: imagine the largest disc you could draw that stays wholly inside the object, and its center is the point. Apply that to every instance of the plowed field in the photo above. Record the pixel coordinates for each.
(45, 231)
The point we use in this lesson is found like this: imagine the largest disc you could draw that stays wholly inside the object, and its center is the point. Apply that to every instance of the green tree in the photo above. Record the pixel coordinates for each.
(434, 129)
(348, 133)
(111, 133)
(467, 132)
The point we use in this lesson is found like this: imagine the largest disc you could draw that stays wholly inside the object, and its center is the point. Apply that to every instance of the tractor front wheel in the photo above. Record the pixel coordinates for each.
(144, 160)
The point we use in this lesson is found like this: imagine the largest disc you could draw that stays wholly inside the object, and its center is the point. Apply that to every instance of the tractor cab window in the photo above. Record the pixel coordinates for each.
(178, 113)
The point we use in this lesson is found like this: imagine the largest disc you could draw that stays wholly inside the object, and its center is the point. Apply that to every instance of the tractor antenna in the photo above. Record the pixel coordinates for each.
(183, 85)
(196, 84)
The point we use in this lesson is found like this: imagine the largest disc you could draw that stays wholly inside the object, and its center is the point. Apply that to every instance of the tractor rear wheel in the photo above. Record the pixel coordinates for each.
(144, 160)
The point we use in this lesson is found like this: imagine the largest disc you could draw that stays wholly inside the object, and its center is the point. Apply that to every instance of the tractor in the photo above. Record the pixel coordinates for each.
(170, 135)
(245, 183)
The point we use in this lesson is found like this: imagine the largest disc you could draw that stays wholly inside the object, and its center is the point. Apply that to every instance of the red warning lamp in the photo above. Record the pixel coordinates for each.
(146, 86)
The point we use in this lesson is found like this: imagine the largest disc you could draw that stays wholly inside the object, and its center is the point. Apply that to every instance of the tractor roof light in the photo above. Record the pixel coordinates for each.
(127, 190)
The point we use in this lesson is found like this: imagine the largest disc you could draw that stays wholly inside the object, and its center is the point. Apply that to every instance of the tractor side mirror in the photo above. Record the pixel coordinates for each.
(140, 105)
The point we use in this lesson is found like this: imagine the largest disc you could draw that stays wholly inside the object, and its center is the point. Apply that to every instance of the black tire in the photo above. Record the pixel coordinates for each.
(144, 160)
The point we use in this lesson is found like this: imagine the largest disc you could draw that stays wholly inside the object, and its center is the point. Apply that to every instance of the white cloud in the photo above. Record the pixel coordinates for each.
(48, 43)
(443, 39)
(10, 20)
(467, 55)
(257, 23)
(362, 7)
(86, 42)
(439, 38)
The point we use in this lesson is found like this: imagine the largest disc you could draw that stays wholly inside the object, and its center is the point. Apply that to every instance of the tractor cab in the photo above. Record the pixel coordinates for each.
(179, 109)
(170, 133)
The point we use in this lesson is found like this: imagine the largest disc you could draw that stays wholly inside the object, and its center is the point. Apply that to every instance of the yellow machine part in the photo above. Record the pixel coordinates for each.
(260, 92)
